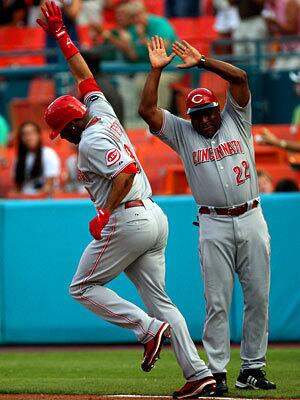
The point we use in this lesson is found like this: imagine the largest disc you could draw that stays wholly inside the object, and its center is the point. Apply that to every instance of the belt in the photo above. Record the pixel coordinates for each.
(135, 203)
(230, 211)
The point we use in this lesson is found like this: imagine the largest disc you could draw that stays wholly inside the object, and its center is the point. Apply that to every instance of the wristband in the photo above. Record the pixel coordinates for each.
(67, 47)
(201, 62)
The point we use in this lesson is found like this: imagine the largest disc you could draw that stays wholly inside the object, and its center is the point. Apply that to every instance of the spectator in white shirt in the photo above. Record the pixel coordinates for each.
(37, 167)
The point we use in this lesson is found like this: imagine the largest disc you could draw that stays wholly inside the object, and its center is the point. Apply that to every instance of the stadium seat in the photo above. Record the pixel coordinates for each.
(175, 180)
(155, 159)
(139, 137)
(278, 172)
(269, 154)
(198, 31)
(21, 38)
(41, 92)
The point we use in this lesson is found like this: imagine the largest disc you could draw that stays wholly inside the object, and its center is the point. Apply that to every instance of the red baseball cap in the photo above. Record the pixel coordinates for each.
(200, 99)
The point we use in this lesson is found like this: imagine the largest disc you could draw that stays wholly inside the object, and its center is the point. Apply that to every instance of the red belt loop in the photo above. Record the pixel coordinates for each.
(230, 211)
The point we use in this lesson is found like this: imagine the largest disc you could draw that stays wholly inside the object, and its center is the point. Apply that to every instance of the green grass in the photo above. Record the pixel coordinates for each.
(118, 372)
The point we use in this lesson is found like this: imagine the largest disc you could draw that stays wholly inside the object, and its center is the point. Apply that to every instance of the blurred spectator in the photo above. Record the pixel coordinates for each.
(286, 185)
(283, 19)
(72, 184)
(4, 131)
(37, 168)
(267, 137)
(252, 25)
(91, 12)
(135, 27)
(265, 183)
(182, 8)
(13, 12)
(227, 20)
(119, 36)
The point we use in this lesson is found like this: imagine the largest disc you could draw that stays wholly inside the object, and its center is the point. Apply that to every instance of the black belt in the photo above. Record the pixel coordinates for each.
(230, 211)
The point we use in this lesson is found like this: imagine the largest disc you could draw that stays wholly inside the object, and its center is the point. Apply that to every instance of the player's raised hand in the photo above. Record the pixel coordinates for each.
(157, 53)
(53, 24)
(189, 55)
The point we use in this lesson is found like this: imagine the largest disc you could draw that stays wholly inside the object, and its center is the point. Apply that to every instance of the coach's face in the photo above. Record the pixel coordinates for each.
(72, 132)
(206, 122)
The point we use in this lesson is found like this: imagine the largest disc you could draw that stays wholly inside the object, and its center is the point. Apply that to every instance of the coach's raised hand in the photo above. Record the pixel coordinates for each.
(157, 53)
(189, 55)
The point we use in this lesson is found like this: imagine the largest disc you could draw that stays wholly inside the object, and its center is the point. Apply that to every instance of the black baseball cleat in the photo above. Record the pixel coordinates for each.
(221, 383)
(253, 379)
(153, 347)
(200, 388)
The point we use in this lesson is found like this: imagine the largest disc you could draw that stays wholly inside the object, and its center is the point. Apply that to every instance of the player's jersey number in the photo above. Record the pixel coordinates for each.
(241, 172)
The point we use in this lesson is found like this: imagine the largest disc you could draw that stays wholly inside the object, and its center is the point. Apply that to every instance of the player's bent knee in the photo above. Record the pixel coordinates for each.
(75, 291)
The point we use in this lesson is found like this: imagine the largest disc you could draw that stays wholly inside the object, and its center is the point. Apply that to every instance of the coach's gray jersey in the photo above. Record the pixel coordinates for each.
(105, 151)
(221, 171)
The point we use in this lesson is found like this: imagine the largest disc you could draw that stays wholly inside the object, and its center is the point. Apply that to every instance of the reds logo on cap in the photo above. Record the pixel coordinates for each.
(198, 98)
(112, 156)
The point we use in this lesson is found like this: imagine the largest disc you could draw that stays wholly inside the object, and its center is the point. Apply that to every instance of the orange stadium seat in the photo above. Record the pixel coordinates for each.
(155, 158)
(155, 6)
(175, 180)
(269, 154)
(41, 92)
(198, 31)
(278, 172)
(139, 137)
(21, 38)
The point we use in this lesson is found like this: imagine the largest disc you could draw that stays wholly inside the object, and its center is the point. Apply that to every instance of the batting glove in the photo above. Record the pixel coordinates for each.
(98, 223)
(54, 24)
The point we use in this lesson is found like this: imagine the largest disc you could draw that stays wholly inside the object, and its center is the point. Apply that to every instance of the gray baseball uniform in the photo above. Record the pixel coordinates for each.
(221, 173)
(133, 242)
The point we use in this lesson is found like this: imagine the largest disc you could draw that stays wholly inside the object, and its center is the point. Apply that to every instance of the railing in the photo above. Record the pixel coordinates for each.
(261, 54)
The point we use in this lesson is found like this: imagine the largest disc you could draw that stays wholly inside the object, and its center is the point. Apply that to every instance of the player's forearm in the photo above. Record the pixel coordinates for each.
(225, 70)
(288, 145)
(149, 96)
(79, 68)
(120, 188)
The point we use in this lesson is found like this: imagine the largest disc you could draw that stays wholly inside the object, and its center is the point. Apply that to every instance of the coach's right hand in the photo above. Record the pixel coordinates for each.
(98, 223)
(157, 53)
(54, 24)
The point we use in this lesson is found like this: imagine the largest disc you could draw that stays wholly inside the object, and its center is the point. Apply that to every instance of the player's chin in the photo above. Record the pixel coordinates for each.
(207, 131)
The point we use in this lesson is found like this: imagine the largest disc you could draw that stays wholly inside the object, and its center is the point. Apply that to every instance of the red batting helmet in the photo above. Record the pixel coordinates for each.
(200, 99)
(61, 111)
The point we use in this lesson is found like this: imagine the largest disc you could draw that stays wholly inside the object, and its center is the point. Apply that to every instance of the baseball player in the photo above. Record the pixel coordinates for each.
(130, 230)
(217, 152)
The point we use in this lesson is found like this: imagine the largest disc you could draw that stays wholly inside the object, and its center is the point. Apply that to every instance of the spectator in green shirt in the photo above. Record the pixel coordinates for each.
(133, 45)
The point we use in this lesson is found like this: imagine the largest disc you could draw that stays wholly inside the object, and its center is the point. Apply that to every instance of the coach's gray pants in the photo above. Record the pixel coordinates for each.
(134, 241)
(230, 245)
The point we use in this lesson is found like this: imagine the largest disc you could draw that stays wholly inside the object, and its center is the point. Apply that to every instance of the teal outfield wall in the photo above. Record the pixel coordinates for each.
(41, 243)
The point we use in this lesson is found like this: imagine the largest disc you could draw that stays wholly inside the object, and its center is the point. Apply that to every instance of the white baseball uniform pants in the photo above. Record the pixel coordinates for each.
(134, 241)
(229, 246)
